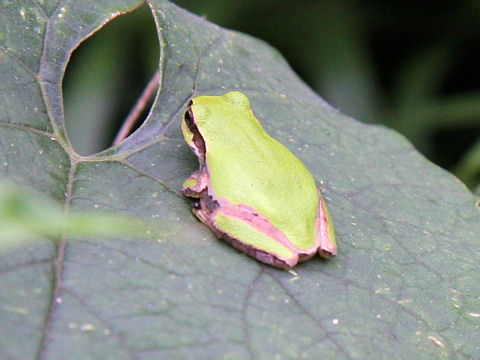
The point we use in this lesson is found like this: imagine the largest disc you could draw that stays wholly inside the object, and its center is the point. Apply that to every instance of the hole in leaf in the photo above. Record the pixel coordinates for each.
(105, 77)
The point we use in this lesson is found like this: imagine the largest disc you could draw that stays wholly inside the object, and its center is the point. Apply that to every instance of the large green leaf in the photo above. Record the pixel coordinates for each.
(405, 284)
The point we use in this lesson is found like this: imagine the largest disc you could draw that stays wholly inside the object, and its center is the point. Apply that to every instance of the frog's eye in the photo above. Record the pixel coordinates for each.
(237, 99)
(192, 135)
(188, 121)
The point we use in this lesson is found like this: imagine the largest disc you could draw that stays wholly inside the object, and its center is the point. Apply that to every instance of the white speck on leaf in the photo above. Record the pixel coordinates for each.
(23, 13)
(437, 341)
(87, 327)
(295, 275)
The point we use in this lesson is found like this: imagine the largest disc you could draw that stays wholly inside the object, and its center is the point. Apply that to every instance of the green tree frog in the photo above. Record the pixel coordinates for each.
(253, 192)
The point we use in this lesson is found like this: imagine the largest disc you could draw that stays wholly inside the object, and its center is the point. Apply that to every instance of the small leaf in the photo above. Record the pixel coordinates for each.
(25, 215)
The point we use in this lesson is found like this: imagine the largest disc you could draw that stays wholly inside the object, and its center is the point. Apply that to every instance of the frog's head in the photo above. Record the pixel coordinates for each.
(207, 116)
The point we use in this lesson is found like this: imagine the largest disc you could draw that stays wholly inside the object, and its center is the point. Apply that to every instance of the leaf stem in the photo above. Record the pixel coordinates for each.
(139, 107)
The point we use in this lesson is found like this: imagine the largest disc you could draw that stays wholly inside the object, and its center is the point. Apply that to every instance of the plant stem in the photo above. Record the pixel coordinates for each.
(137, 110)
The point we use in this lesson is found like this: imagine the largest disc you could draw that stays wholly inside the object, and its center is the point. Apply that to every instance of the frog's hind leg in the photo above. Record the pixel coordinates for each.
(253, 234)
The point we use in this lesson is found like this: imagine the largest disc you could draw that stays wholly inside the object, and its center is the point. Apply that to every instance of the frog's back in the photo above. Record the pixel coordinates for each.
(249, 167)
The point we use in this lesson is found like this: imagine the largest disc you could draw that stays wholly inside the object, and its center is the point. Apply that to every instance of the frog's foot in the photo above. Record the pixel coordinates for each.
(195, 184)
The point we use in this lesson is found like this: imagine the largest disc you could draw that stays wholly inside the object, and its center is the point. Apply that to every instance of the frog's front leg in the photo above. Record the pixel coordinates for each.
(196, 184)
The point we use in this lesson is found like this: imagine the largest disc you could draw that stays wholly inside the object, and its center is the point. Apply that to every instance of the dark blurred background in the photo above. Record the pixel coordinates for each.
(409, 65)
